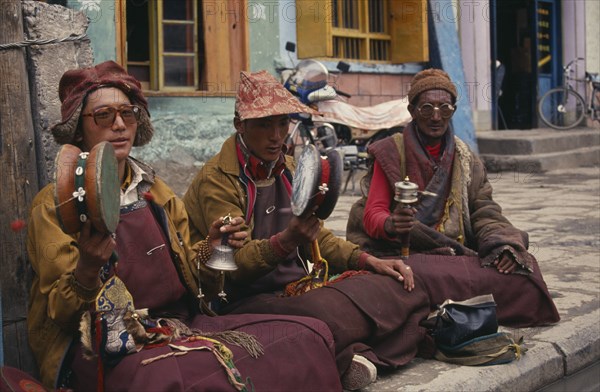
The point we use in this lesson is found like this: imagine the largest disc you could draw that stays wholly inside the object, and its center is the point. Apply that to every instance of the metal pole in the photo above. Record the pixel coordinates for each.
(494, 55)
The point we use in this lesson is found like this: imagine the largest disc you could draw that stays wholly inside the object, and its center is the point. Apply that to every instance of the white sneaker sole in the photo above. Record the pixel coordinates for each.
(361, 373)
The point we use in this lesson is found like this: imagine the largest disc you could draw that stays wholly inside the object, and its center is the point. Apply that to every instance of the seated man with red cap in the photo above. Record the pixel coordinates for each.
(373, 313)
(160, 271)
(455, 217)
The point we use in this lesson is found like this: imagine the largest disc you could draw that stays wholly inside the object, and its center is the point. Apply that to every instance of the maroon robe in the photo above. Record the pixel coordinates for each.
(146, 268)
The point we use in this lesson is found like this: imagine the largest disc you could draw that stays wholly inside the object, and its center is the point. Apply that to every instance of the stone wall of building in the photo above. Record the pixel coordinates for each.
(46, 64)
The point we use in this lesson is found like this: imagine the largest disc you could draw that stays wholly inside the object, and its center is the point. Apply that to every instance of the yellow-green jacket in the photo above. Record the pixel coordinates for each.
(56, 303)
(221, 188)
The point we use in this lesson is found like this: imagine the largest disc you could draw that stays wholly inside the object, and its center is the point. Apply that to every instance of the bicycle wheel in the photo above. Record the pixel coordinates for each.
(561, 108)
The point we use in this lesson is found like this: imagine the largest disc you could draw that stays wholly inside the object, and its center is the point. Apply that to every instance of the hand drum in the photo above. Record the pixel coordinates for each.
(87, 187)
(317, 182)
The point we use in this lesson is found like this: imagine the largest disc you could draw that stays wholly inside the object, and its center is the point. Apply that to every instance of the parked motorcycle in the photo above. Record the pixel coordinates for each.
(355, 127)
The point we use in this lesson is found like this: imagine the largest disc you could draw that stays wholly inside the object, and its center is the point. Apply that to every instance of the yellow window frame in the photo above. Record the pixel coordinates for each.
(362, 33)
(406, 25)
(160, 22)
(220, 72)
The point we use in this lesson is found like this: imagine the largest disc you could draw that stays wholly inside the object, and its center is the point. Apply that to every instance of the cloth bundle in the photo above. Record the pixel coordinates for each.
(114, 328)
(466, 333)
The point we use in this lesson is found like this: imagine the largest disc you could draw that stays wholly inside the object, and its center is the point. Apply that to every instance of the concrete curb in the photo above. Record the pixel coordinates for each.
(541, 365)
(553, 353)
(559, 209)
(577, 340)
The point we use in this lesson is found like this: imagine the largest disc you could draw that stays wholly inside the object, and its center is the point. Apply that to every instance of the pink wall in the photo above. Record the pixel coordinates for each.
(372, 89)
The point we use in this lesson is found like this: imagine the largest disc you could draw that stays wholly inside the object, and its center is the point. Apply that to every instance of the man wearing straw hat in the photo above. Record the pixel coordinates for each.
(373, 313)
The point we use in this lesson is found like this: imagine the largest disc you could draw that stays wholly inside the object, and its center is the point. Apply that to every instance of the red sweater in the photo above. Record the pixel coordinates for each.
(380, 196)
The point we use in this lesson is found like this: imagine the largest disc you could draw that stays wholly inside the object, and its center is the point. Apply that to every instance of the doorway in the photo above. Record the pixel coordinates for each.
(528, 50)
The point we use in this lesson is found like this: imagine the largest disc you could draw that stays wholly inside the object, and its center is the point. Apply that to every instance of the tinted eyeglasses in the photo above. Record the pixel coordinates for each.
(105, 116)
(446, 110)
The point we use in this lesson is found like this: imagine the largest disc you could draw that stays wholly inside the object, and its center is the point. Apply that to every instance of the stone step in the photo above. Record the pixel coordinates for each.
(536, 141)
(537, 163)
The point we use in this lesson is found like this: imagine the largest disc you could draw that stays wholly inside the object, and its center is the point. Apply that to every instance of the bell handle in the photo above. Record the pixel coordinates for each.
(225, 237)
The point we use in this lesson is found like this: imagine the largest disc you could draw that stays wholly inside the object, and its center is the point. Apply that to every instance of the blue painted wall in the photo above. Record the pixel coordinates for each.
(445, 53)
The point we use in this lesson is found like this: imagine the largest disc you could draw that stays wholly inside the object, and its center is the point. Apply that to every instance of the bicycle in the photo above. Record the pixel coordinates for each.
(564, 108)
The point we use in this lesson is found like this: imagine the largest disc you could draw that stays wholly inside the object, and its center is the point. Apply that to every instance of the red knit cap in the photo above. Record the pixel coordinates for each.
(76, 84)
(430, 79)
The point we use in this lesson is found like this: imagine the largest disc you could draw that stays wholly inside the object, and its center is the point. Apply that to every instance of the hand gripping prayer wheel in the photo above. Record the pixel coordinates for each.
(317, 182)
(87, 188)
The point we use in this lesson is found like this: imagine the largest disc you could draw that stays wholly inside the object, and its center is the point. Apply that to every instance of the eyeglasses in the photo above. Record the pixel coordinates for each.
(105, 116)
(446, 110)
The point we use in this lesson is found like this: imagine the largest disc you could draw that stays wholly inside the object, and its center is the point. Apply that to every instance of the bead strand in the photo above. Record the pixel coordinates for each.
(204, 251)
(203, 255)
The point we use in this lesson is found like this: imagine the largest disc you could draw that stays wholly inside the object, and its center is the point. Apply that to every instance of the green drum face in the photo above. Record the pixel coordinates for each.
(104, 188)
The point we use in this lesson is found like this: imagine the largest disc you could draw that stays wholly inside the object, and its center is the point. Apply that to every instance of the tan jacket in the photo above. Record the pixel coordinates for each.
(219, 188)
(56, 303)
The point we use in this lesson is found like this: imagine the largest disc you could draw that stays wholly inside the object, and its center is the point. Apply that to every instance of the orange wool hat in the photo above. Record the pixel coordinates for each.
(430, 79)
(261, 95)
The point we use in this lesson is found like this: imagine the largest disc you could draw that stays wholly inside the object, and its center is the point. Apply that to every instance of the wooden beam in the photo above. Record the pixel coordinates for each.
(238, 48)
(121, 29)
(18, 182)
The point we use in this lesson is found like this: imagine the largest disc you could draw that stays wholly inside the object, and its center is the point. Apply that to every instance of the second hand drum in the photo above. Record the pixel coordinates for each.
(316, 187)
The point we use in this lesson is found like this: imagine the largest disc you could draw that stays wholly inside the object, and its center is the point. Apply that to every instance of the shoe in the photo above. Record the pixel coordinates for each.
(361, 373)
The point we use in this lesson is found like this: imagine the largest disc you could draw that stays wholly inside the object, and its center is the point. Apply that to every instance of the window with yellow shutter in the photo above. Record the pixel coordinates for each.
(184, 46)
(375, 31)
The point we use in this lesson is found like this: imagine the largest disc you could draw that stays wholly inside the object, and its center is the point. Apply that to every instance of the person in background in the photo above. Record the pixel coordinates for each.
(157, 264)
(373, 313)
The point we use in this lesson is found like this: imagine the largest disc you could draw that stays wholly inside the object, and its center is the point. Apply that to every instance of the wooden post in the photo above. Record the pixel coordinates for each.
(1, 334)
(18, 186)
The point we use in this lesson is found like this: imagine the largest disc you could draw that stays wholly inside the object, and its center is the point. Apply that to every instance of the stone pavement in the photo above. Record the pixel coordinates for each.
(561, 212)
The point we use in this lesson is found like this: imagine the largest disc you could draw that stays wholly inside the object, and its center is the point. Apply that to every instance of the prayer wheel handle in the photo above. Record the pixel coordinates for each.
(407, 194)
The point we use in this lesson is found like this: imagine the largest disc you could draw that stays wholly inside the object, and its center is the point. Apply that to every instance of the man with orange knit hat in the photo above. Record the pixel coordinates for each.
(456, 217)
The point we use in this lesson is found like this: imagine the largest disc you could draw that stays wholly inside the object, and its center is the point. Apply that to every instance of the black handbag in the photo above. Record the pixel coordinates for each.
(456, 322)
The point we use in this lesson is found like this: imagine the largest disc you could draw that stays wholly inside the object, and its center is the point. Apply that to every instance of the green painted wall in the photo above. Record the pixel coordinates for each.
(101, 30)
(263, 23)
(194, 127)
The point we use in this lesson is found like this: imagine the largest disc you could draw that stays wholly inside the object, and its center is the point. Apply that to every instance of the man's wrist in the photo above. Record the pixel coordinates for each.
(280, 248)
(362, 261)
(287, 242)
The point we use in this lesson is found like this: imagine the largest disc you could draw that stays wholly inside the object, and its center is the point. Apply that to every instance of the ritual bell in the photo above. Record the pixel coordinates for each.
(222, 258)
